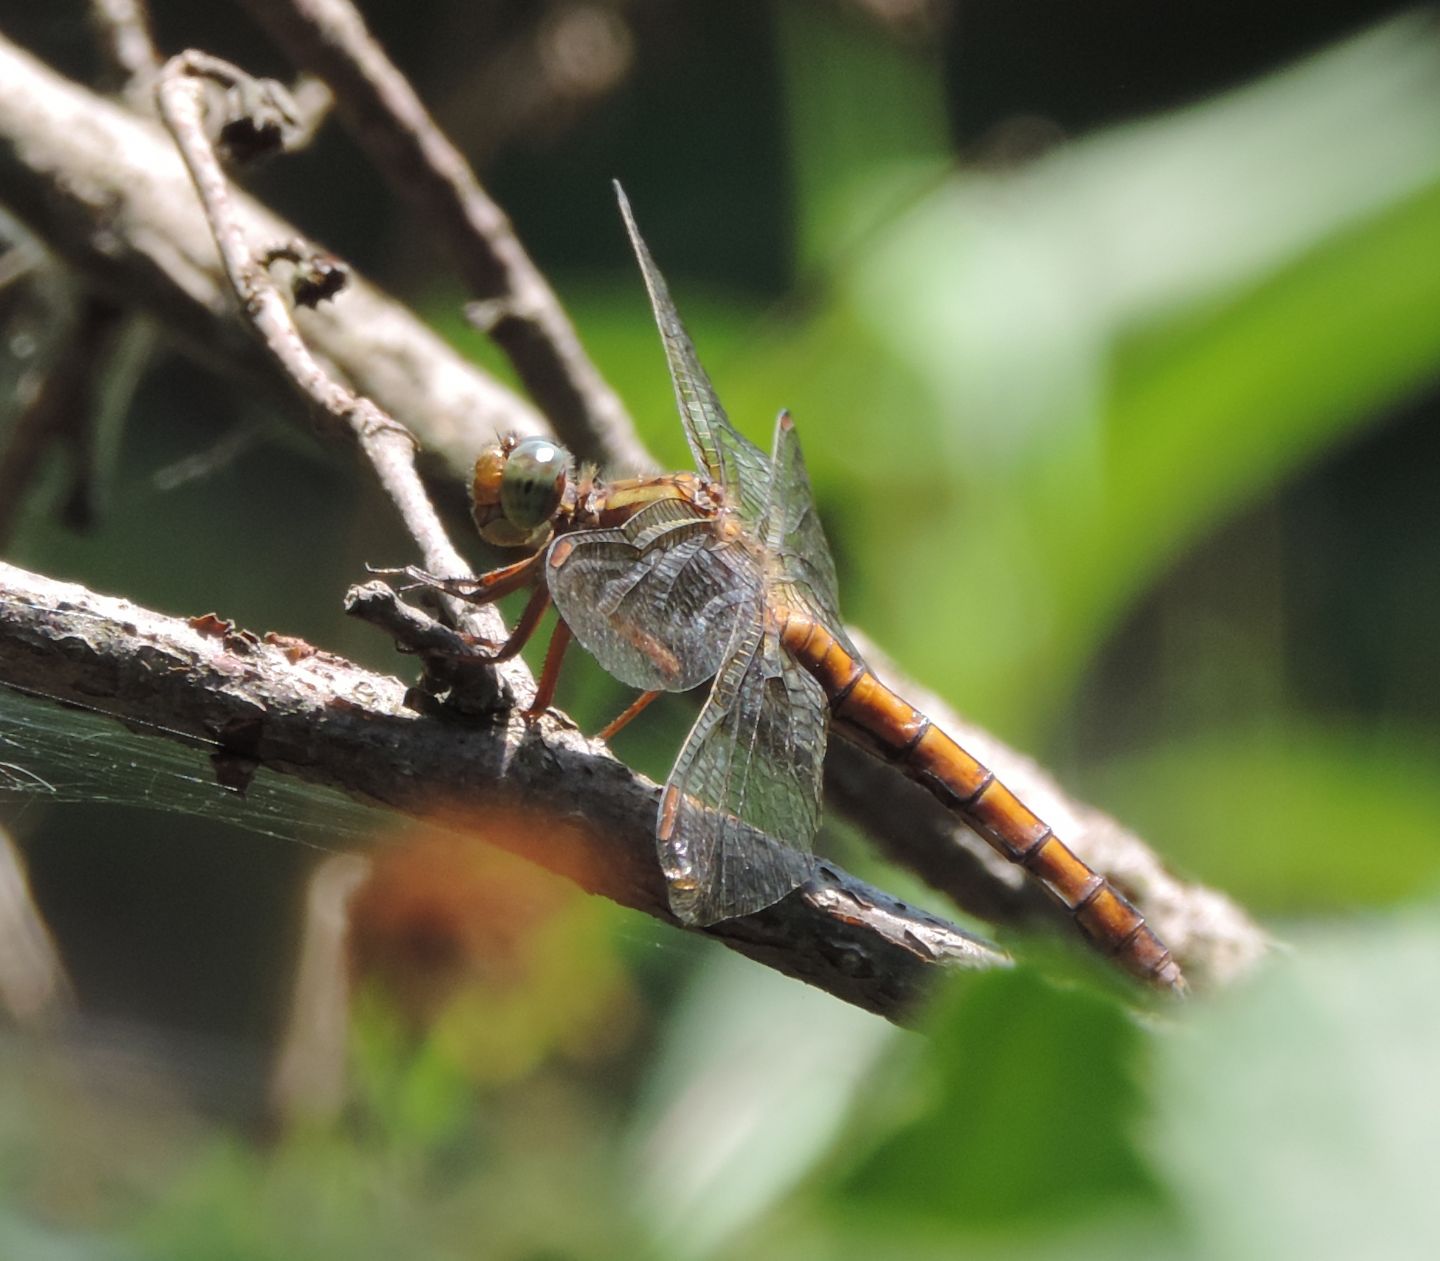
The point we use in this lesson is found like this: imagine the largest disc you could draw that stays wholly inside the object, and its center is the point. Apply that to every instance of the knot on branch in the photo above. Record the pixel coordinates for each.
(260, 120)
(455, 678)
(317, 274)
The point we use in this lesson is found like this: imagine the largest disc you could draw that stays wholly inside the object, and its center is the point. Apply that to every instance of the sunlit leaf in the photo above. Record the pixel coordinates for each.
(1291, 818)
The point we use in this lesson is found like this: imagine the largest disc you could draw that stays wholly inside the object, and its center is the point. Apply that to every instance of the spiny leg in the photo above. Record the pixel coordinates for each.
(623, 719)
(486, 588)
(550, 674)
(524, 627)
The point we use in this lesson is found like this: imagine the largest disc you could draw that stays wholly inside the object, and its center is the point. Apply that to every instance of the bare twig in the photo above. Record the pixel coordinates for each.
(61, 411)
(531, 85)
(329, 38)
(34, 986)
(20, 259)
(106, 191)
(129, 47)
(313, 103)
(538, 789)
(308, 1084)
(387, 445)
(40, 318)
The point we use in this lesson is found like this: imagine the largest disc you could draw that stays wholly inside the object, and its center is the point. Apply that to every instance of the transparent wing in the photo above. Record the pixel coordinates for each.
(721, 452)
(742, 805)
(803, 572)
(656, 601)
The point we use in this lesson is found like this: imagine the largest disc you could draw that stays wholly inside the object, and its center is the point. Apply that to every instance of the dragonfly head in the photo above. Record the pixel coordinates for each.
(517, 488)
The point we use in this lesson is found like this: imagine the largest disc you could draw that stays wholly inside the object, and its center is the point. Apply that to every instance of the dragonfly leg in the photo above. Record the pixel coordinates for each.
(550, 675)
(621, 720)
(486, 588)
(524, 627)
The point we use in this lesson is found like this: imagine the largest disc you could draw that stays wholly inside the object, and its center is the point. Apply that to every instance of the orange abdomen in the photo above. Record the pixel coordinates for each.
(900, 733)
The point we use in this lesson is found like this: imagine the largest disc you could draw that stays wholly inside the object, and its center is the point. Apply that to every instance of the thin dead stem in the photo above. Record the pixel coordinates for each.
(525, 319)
(387, 444)
(123, 27)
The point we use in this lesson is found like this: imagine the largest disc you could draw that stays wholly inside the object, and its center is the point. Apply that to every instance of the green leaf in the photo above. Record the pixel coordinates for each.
(1292, 817)
(1301, 1113)
(1030, 1118)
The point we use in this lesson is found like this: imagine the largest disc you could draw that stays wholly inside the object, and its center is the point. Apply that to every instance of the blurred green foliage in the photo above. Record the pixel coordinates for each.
(1026, 1141)
(1073, 415)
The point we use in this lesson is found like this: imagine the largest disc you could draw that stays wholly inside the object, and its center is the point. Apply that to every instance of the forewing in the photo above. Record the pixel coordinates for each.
(742, 805)
(721, 452)
(656, 601)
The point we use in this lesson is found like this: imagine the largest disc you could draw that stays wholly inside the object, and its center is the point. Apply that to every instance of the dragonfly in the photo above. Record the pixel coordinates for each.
(725, 574)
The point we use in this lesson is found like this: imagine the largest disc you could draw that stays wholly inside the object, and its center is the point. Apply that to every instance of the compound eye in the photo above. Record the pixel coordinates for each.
(533, 483)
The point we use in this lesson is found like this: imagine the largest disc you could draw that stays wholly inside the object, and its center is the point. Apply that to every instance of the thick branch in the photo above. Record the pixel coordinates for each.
(539, 789)
(105, 190)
